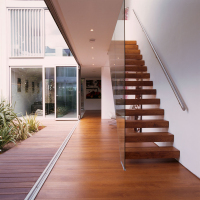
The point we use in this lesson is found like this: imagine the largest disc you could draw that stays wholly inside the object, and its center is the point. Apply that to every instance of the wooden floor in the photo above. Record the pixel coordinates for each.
(89, 168)
(21, 166)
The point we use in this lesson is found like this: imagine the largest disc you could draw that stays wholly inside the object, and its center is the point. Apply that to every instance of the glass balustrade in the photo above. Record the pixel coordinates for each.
(117, 65)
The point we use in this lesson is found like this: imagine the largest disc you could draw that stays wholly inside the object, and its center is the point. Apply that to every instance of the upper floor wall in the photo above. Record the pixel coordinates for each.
(33, 32)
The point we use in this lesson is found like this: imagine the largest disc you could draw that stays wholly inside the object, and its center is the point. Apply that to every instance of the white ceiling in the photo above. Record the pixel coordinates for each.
(77, 18)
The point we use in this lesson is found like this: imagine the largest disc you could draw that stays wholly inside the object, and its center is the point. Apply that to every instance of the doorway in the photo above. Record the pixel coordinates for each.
(66, 94)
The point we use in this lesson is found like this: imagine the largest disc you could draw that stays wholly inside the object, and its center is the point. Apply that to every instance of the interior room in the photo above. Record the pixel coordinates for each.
(26, 91)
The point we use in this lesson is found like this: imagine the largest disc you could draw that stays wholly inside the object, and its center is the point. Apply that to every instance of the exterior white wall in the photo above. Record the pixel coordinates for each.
(6, 62)
(21, 4)
(173, 27)
(4, 71)
(91, 104)
(46, 62)
(107, 102)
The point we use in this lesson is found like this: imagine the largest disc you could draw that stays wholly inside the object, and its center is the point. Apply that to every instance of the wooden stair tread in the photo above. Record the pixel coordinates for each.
(131, 46)
(138, 75)
(138, 83)
(151, 152)
(146, 123)
(137, 101)
(140, 144)
(152, 111)
(134, 62)
(151, 149)
(133, 56)
(135, 92)
(147, 120)
(140, 91)
(130, 42)
(133, 83)
(132, 51)
(148, 137)
(136, 68)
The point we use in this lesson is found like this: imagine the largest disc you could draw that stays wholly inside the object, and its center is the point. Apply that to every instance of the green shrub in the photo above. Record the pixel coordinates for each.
(6, 135)
(12, 128)
(7, 114)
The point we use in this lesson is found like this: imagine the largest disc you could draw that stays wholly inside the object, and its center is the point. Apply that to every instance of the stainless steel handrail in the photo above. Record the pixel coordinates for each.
(171, 82)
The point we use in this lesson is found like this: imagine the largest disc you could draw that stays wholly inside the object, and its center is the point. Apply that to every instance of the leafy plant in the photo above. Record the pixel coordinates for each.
(32, 122)
(7, 114)
(6, 135)
(23, 131)
(13, 128)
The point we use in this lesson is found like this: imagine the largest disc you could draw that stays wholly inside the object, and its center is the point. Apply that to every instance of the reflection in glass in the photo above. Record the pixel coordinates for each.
(28, 100)
(18, 84)
(82, 96)
(49, 92)
(33, 87)
(66, 92)
(55, 44)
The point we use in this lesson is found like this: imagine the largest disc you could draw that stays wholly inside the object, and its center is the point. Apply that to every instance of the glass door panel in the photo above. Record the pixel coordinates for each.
(82, 97)
(27, 91)
(66, 93)
(49, 93)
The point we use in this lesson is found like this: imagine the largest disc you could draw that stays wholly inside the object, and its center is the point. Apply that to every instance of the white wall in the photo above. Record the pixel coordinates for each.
(4, 71)
(173, 27)
(91, 104)
(46, 62)
(107, 101)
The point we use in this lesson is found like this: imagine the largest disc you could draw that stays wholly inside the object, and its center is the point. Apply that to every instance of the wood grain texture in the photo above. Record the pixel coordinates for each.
(21, 166)
(90, 169)
(129, 51)
(134, 62)
(130, 42)
(140, 91)
(134, 75)
(136, 68)
(131, 46)
(148, 137)
(151, 152)
(143, 112)
(135, 92)
(137, 101)
(147, 124)
(138, 83)
(133, 56)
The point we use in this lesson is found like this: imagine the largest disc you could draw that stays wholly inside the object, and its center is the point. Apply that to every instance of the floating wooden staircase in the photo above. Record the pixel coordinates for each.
(140, 145)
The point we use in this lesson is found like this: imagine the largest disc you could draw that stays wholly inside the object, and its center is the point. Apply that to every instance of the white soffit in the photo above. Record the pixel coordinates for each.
(78, 17)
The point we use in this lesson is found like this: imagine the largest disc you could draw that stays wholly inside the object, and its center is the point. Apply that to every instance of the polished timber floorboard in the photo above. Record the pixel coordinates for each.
(89, 168)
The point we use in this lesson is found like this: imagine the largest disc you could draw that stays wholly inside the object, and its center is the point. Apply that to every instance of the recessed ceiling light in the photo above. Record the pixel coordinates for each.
(118, 58)
(92, 64)
(92, 47)
(91, 29)
(114, 64)
(92, 40)
(92, 57)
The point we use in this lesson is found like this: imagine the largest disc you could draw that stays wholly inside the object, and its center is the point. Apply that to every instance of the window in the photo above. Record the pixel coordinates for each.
(26, 32)
(55, 44)
(28, 99)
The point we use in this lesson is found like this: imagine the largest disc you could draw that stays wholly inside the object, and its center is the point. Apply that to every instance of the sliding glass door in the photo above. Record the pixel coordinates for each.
(66, 93)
